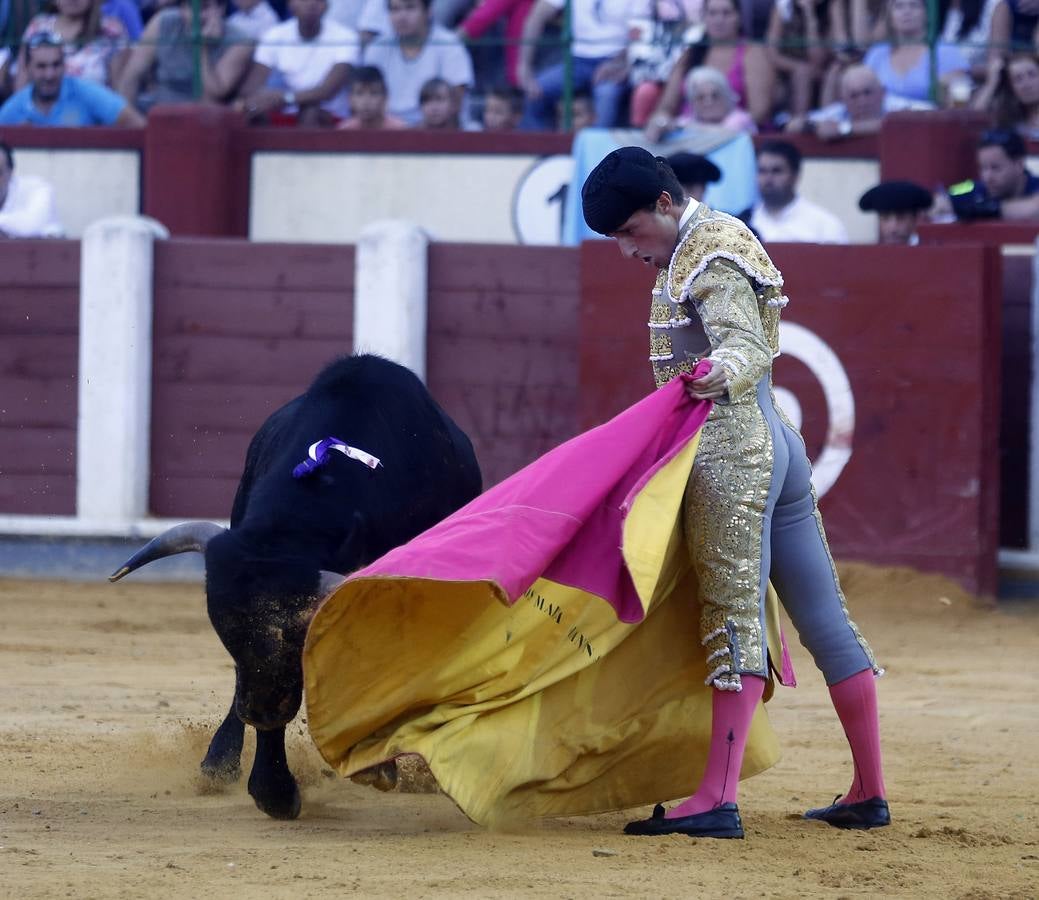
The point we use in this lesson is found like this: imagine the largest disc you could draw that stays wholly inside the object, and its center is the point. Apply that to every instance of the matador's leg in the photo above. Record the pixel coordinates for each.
(805, 577)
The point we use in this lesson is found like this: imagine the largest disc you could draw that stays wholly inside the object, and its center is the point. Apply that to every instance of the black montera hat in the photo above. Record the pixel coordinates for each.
(627, 180)
(691, 168)
(896, 196)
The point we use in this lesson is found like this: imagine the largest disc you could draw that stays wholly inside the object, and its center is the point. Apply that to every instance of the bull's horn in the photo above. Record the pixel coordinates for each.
(178, 539)
(329, 582)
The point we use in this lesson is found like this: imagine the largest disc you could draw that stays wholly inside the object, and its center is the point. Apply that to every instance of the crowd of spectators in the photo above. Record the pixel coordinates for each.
(832, 67)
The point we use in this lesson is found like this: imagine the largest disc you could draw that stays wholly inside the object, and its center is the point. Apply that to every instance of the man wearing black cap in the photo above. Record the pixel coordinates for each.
(899, 206)
(749, 511)
(694, 173)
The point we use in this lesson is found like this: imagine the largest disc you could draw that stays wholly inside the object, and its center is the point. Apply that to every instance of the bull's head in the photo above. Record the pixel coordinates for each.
(260, 607)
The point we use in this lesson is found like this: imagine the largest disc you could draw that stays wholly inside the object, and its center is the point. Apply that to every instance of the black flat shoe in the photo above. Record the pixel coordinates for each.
(872, 813)
(722, 822)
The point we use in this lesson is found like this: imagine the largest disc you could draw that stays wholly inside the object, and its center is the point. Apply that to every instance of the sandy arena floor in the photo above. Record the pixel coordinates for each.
(109, 694)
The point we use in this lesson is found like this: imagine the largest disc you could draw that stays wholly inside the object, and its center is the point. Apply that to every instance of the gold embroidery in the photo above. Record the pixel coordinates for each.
(659, 344)
(712, 235)
(659, 314)
(724, 508)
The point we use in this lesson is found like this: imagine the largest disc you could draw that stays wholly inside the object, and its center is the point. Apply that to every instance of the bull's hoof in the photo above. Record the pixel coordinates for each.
(279, 800)
(221, 772)
(382, 777)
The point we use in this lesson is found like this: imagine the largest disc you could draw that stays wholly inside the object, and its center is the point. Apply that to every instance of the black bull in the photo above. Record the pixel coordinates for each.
(267, 573)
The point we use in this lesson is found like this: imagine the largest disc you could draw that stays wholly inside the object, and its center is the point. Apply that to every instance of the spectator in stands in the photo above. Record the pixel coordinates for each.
(903, 62)
(694, 173)
(1002, 177)
(437, 108)
(503, 108)
(5, 73)
(373, 20)
(712, 101)
(253, 18)
(53, 98)
(745, 66)
(127, 12)
(165, 58)
(486, 14)
(582, 112)
(801, 34)
(782, 215)
(26, 203)
(900, 206)
(417, 51)
(864, 103)
(599, 59)
(1012, 88)
(310, 57)
(968, 23)
(1014, 26)
(368, 103)
(754, 14)
(96, 46)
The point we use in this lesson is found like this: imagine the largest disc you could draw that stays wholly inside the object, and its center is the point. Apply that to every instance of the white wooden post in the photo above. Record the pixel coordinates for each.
(390, 294)
(115, 365)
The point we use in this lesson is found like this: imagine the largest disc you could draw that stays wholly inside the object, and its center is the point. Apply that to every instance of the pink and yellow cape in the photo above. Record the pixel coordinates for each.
(539, 648)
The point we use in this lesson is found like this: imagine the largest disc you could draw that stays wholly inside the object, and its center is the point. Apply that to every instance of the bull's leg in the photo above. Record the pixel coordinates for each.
(223, 760)
(271, 783)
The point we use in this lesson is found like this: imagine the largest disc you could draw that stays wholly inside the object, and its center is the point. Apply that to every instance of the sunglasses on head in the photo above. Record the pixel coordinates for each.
(44, 39)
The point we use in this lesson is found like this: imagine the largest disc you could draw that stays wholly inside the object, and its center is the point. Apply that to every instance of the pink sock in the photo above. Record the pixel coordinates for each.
(855, 700)
(731, 714)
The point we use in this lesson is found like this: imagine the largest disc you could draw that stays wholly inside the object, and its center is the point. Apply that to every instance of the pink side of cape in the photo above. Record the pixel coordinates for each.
(561, 517)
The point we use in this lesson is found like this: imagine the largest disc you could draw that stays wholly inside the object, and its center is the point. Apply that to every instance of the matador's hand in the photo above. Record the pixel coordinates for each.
(711, 386)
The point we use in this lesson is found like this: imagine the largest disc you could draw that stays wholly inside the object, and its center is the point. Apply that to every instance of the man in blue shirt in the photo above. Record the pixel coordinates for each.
(52, 98)
(1002, 177)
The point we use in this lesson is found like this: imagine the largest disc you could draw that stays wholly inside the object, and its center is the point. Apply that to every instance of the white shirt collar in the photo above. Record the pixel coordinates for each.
(688, 214)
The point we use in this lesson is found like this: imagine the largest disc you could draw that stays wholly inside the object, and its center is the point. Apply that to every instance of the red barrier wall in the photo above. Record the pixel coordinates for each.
(914, 328)
(39, 344)
(1015, 404)
(239, 329)
(528, 345)
(931, 148)
(1016, 361)
(502, 359)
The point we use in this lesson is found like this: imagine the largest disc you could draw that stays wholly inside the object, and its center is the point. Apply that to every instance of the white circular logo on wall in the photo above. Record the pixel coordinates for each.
(540, 200)
(823, 363)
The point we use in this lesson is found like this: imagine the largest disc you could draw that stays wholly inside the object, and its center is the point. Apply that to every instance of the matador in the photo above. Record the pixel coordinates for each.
(750, 513)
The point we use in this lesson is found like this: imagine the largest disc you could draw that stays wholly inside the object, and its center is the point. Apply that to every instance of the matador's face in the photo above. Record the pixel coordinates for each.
(650, 235)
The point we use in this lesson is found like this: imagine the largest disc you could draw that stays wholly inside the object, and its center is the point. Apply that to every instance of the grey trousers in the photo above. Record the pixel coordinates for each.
(796, 558)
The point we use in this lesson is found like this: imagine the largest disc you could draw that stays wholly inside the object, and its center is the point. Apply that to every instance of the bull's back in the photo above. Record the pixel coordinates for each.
(428, 467)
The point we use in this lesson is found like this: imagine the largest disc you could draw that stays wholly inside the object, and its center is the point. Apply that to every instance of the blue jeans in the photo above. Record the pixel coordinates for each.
(608, 96)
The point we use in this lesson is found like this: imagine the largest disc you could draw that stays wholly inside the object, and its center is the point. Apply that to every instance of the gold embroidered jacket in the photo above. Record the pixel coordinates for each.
(720, 299)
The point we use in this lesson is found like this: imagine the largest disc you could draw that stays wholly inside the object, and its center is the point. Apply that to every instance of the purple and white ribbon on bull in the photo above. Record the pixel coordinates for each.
(319, 454)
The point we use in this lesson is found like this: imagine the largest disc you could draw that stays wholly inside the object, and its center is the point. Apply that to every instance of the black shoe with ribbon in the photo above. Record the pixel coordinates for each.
(872, 813)
(721, 822)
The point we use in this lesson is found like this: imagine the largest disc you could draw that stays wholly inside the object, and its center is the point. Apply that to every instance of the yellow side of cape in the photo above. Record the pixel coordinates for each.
(548, 707)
